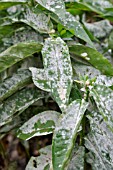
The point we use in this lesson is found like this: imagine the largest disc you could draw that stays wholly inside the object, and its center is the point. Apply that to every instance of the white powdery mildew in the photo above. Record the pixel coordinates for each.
(84, 54)
(57, 65)
(42, 118)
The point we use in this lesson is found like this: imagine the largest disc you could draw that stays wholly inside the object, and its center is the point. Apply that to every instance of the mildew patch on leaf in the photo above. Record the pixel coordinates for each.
(41, 124)
(103, 97)
(40, 79)
(18, 103)
(100, 143)
(65, 18)
(65, 134)
(58, 69)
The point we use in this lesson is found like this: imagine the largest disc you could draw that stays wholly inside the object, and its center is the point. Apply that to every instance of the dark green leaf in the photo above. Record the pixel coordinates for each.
(65, 134)
(8, 3)
(41, 124)
(93, 57)
(17, 53)
(18, 103)
(11, 85)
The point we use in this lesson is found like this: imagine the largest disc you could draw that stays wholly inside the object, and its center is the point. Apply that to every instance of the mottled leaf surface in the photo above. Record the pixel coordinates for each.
(103, 97)
(41, 162)
(100, 143)
(12, 84)
(93, 57)
(40, 79)
(17, 53)
(65, 18)
(58, 70)
(8, 3)
(41, 124)
(65, 134)
(18, 103)
(77, 159)
(38, 21)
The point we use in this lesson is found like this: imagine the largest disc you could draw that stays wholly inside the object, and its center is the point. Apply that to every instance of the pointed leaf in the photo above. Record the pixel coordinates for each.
(17, 53)
(40, 79)
(65, 18)
(100, 143)
(93, 57)
(58, 70)
(77, 160)
(65, 134)
(41, 124)
(11, 85)
(18, 102)
(8, 3)
(41, 162)
(103, 97)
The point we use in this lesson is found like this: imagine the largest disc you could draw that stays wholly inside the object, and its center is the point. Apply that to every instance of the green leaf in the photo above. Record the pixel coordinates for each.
(65, 18)
(100, 143)
(11, 85)
(65, 134)
(18, 103)
(38, 21)
(40, 79)
(41, 162)
(77, 159)
(58, 70)
(103, 97)
(93, 57)
(8, 3)
(17, 53)
(41, 124)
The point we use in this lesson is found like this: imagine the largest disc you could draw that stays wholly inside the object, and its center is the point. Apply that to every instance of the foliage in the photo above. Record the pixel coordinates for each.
(60, 51)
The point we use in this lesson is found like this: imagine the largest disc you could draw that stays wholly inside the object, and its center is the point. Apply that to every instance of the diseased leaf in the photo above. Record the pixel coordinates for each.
(11, 85)
(18, 103)
(100, 143)
(41, 162)
(77, 160)
(93, 57)
(38, 21)
(58, 70)
(41, 124)
(65, 134)
(40, 79)
(103, 97)
(65, 18)
(17, 53)
(8, 3)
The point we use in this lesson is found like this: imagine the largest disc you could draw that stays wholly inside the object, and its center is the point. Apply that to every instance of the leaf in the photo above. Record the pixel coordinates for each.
(65, 134)
(77, 160)
(42, 161)
(40, 79)
(38, 21)
(100, 29)
(8, 3)
(41, 124)
(18, 103)
(100, 143)
(93, 57)
(65, 18)
(17, 53)
(58, 70)
(11, 85)
(103, 97)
